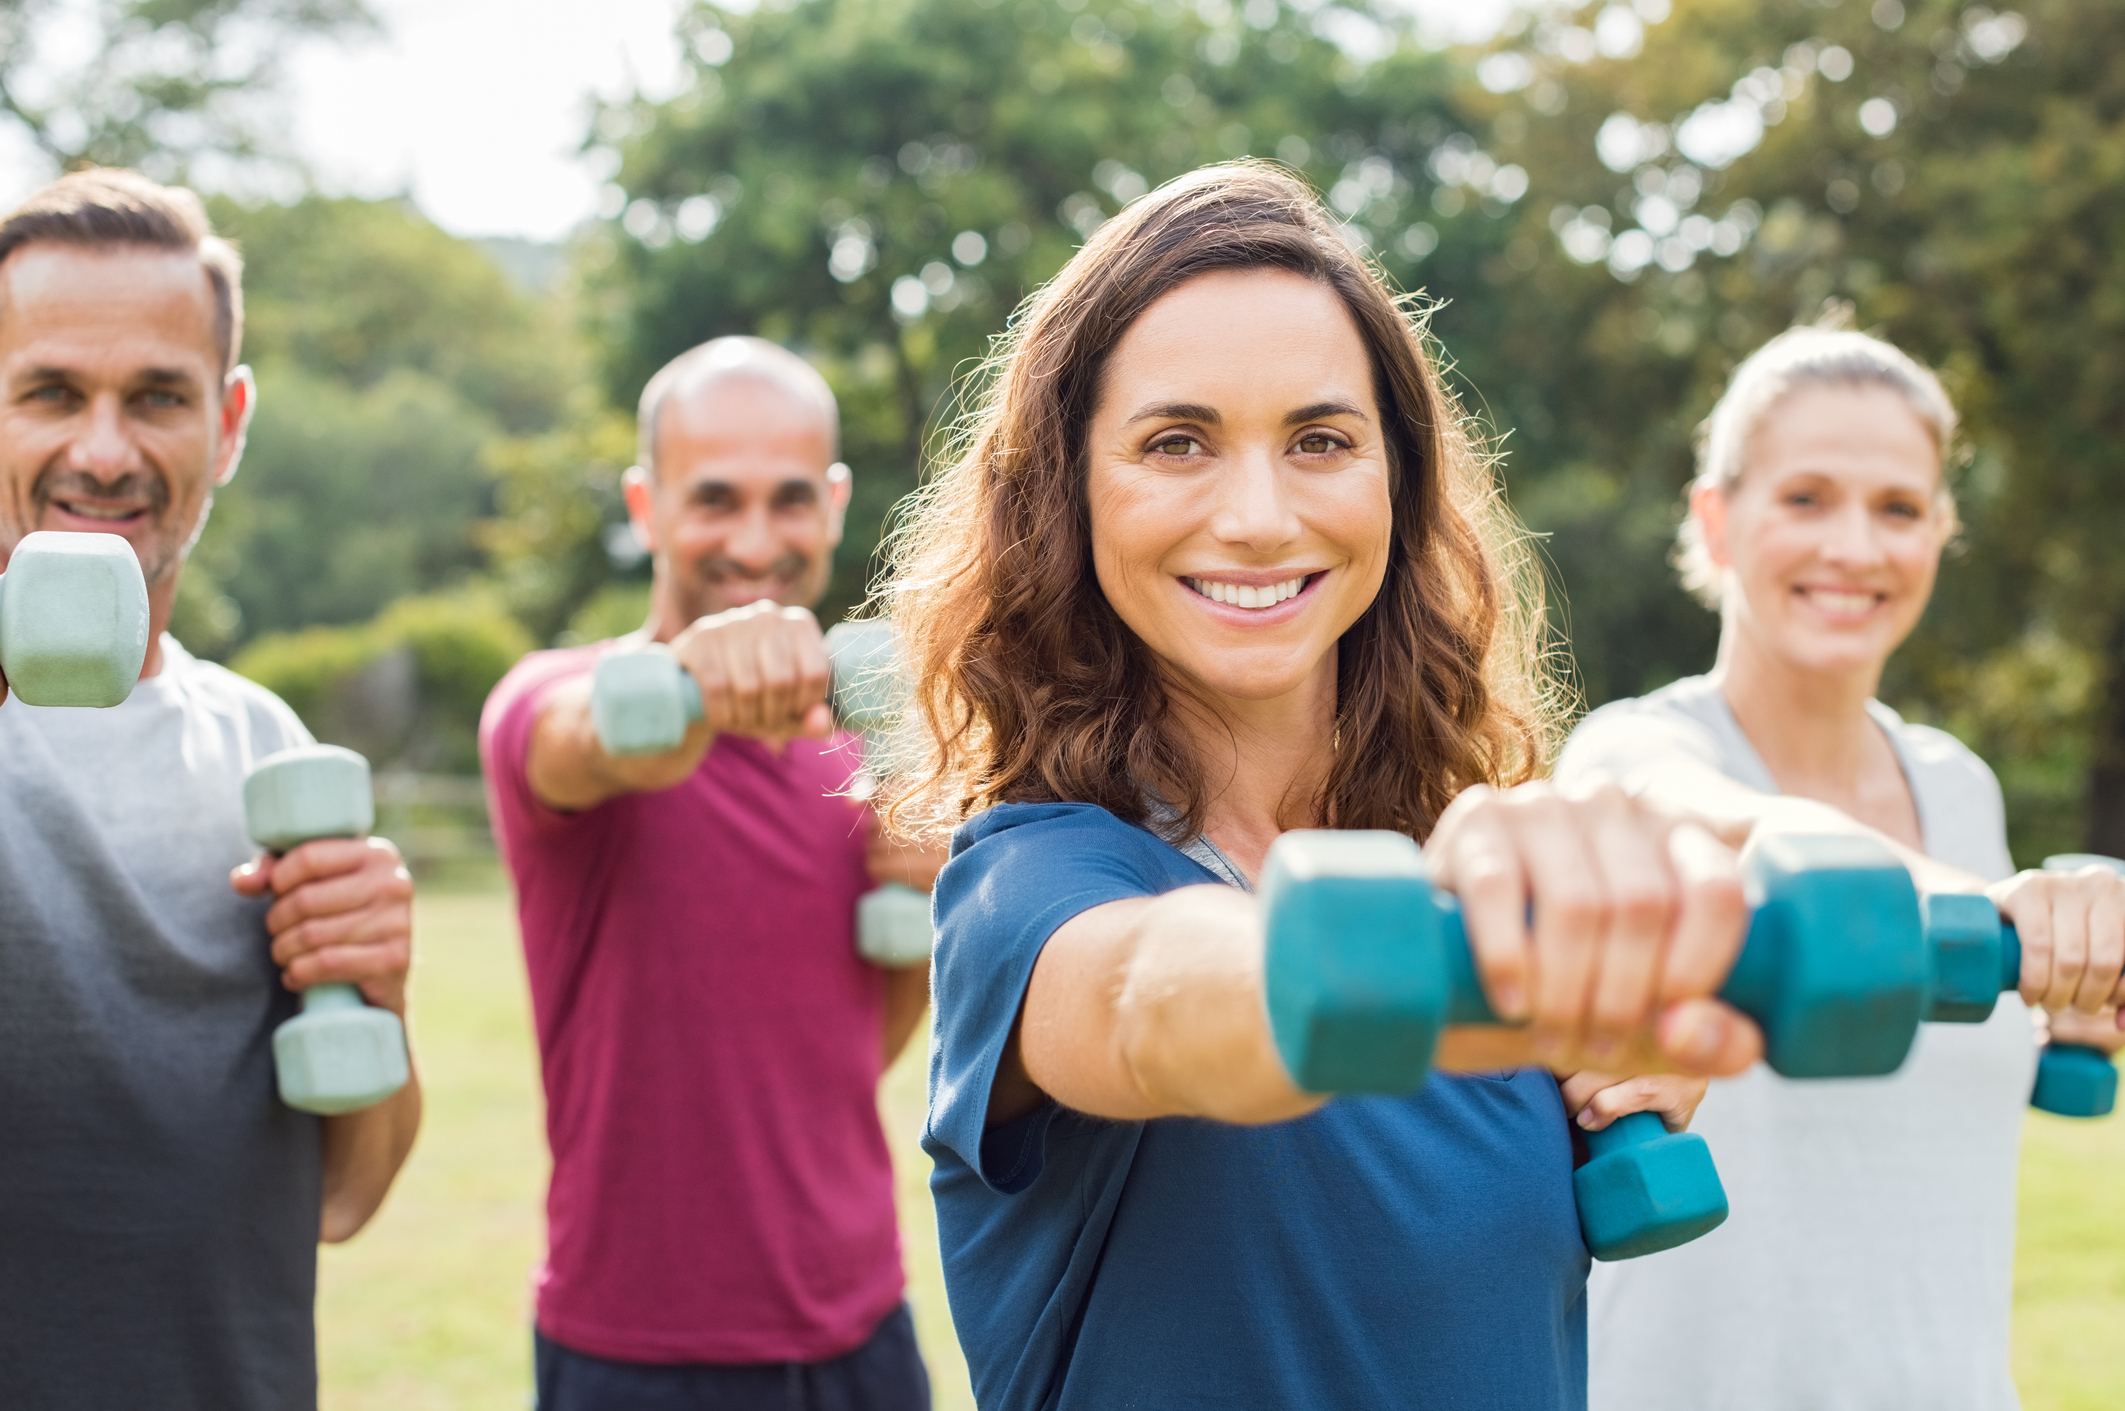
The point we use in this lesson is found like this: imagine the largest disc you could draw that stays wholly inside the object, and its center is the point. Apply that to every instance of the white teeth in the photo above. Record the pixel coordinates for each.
(1842, 602)
(98, 512)
(1245, 596)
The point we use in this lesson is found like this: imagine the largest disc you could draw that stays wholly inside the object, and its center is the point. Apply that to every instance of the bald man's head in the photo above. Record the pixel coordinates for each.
(739, 496)
(735, 359)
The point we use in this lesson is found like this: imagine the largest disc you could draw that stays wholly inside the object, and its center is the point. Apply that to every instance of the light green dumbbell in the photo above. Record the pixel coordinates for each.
(73, 619)
(868, 695)
(339, 1054)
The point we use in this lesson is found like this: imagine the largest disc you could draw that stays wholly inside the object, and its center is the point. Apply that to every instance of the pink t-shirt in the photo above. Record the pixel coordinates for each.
(711, 1045)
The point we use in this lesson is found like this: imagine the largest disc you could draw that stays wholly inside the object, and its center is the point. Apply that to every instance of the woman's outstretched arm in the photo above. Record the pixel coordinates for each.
(1155, 1007)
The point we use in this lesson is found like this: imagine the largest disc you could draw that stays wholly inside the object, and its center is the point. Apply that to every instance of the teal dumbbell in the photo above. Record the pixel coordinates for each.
(1978, 959)
(73, 619)
(1367, 962)
(339, 1054)
(642, 701)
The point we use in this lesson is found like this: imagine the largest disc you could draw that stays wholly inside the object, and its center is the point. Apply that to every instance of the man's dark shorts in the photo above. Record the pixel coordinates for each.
(885, 1374)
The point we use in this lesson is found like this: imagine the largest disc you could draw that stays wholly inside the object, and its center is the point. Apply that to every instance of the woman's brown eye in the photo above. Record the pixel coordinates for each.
(1316, 445)
(1176, 446)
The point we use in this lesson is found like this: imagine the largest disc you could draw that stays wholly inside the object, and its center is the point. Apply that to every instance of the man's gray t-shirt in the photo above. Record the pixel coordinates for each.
(158, 1203)
(1868, 1263)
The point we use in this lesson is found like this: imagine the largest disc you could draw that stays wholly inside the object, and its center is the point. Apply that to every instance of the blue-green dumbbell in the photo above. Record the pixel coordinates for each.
(1981, 959)
(1366, 963)
(339, 1054)
(1367, 960)
(73, 619)
(642, 701)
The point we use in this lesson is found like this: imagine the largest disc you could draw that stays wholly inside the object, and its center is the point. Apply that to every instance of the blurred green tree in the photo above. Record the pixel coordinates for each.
(163, 85)
(396, 367)
(877, 183)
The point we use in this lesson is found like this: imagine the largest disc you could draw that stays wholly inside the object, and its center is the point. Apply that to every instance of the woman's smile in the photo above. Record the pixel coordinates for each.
(1254, 595)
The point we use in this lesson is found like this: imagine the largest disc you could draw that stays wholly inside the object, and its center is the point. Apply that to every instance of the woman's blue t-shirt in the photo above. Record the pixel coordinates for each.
(1407, 1251)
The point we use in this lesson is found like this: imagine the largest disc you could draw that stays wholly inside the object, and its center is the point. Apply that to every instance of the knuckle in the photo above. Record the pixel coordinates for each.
(1642, 906)
(1582, 909)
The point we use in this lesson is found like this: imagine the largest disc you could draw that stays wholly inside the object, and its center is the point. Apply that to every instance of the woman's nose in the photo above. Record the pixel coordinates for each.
(1853, 537)
(1253, 506)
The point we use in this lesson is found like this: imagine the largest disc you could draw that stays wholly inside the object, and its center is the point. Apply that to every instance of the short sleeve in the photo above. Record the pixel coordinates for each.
(1622, 739)
(506, 723)
(1016, 874)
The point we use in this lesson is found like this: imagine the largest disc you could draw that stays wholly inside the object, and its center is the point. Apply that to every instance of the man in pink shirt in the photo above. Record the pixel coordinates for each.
(720, 1221)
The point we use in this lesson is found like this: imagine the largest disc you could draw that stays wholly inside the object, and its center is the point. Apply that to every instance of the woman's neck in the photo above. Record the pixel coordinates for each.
(1812, 731)
(1258, 759)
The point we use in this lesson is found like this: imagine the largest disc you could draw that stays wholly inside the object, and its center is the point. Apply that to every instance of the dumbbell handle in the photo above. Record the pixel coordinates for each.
(1747, 985)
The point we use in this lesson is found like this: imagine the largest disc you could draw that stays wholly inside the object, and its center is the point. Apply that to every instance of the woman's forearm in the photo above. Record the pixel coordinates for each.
(1152, 1008)
(1191, 1020)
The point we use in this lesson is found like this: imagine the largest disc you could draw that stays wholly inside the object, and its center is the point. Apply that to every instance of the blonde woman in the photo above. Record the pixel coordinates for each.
(1867, 1265)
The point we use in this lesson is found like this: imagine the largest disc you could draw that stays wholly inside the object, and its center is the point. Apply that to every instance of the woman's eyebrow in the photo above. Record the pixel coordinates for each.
(1176, 411)
(1320, 410)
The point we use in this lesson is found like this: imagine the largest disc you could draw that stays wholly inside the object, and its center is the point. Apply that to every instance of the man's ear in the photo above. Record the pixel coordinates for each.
(840, 481)
(641, 495)
(239, 398)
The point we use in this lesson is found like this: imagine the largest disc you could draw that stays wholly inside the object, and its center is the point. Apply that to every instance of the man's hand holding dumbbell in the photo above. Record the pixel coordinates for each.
(343, 913)
(760, 671)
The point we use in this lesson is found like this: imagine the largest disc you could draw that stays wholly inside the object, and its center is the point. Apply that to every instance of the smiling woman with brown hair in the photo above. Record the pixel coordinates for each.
(1217, 560)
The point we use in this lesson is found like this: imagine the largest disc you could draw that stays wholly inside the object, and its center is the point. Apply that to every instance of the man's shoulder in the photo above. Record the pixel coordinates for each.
(522, 685)
(226, 692)
(536, 669)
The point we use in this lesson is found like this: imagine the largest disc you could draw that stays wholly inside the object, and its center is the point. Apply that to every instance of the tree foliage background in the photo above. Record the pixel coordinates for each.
(1605, 209)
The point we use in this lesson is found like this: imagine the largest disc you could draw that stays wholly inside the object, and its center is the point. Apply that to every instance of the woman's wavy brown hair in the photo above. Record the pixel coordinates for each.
(1029, 688)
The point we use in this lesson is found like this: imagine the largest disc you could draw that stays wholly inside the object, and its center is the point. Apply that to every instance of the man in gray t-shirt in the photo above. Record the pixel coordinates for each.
(159, 1207)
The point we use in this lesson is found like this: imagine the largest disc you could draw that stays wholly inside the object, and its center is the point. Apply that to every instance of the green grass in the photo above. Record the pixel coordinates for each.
(430, 1306)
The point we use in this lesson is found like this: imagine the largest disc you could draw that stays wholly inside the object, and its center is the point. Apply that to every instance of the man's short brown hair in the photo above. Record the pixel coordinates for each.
(108, 206)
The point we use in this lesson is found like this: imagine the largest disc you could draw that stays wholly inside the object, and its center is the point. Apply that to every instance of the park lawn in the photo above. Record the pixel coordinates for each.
(430, 1307)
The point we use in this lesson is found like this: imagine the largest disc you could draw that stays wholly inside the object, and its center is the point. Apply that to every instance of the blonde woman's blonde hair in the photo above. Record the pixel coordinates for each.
(1824, 354)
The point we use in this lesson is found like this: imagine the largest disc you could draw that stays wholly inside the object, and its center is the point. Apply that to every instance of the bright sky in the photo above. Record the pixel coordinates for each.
(478, 107)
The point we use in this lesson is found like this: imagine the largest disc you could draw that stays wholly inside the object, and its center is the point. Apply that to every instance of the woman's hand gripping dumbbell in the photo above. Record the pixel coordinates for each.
(340, 1054)
(644, 701)
(1980, 957)
(73, 620)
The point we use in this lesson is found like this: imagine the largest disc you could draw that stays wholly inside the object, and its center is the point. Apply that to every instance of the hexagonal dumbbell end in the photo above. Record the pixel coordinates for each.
(73, 619)
(339, 1054)
(642, 700)
(1646, 1189)
(893, 926)
(2073, 1080)
(1836, 968)
(869, 693)
(1356, 970)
